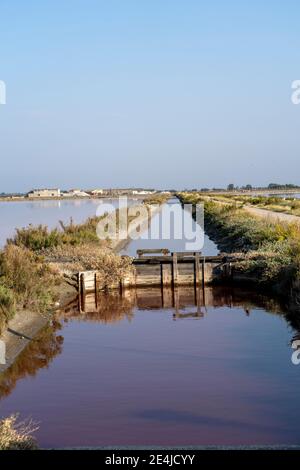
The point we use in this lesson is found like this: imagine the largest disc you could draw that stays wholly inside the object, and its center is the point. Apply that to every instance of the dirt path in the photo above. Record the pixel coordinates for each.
(266, 214)
(271, 215)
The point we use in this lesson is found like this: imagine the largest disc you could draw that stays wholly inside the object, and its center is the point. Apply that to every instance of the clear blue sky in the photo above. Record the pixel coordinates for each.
(158, 93)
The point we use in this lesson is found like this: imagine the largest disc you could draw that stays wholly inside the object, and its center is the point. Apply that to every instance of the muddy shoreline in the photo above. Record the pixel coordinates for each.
(26, 325)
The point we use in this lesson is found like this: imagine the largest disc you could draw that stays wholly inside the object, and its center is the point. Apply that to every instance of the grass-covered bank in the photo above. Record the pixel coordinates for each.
(26, 282)
(287, 205)
(271, 250)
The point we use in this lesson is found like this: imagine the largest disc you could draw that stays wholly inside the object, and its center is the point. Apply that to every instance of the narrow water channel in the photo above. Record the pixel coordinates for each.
(171, 238)
(151, 369)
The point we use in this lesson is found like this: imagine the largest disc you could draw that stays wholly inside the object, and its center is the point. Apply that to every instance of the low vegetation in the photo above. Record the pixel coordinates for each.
(287, 205)
(16, 435)
(160, 198)
(271, 250)
(7, 305)
(41, 237)
(110, 266)
(26, 282)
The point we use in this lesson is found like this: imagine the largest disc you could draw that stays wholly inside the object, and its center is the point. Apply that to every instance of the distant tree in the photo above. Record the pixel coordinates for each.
(248, 187)
(230, 187)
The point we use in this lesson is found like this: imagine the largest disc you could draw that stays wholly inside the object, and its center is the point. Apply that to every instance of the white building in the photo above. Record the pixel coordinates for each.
(76, 193)
(97, 192)
(44, 193)
(142, 191)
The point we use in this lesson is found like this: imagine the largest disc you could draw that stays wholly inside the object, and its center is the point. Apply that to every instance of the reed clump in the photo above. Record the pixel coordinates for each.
(16, 435)
(40, 237)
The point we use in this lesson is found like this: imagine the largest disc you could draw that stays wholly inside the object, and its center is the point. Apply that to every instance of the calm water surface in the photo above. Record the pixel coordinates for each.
(170, 239)
(145, 369)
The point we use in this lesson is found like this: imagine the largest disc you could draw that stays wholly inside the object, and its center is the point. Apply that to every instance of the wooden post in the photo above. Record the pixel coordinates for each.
(198, 300)
(79, 292)
(82, 291)
(203, 272)
(96, 292)
(95, 282)
(122, 286)
(176, 299)
(197, 268)
(165, 272)
(82, 283)
(174, 269)
(78, 283)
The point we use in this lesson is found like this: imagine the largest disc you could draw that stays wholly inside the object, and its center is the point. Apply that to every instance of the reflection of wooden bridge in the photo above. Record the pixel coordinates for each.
(152, 268)
(183, 301)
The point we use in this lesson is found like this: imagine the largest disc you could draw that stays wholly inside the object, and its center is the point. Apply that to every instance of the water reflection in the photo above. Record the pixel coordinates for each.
(37, 355)
(103, 308)
(161, 367)
(112, 307)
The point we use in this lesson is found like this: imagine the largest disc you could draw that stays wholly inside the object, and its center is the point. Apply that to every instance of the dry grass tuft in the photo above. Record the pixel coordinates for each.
(110, 266)
(17, 435)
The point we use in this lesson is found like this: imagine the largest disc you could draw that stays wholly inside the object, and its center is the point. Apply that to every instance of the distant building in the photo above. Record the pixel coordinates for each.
(76, 193)
(97, 192)
(142, 191)
(44, 193)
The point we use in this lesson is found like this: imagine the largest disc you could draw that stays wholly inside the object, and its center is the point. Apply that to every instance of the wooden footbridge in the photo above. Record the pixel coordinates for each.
(153, 268)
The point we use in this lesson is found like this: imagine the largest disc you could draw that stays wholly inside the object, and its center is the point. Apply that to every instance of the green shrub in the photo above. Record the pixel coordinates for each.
(27, 276)
(36, 238)
(41, 238)
(7, 305)
(7, 301)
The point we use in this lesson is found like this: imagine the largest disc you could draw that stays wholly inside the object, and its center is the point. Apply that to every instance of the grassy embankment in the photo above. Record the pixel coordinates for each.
(33, 263)
(157, 199)
(288, 205)
(271, 250)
